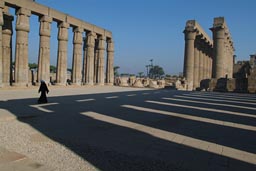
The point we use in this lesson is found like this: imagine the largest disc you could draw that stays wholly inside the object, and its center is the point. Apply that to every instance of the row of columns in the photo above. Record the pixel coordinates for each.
(197, 56)
(204, 59)
(88, 71)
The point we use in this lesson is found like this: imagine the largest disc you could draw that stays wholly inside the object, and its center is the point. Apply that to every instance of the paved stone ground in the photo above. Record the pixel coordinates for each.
(114, 128)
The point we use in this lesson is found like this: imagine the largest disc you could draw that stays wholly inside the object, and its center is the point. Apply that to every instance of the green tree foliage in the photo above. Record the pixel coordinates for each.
(140, 74)
(69, 69)
(156, 71)
(52, 69)
(116, 74)
(168, 75)
(32, 66)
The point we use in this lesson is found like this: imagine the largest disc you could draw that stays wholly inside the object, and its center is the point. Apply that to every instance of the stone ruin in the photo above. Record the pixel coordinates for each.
(132, 81)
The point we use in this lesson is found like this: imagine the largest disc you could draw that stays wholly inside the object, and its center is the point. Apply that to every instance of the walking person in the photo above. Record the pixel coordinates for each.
(43, 89)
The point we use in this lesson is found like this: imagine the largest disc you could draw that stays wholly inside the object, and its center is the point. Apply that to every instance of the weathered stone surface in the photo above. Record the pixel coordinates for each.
(153, 84)
(138, 83)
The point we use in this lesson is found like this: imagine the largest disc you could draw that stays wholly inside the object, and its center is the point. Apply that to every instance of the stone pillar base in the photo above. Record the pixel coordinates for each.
(100, 84)
(5, 85)
(61, 84)
(21, 84)
(110, 84)
(88, 84)
(76, 84)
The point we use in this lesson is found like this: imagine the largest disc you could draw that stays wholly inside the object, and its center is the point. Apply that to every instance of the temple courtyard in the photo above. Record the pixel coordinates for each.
(119, 128)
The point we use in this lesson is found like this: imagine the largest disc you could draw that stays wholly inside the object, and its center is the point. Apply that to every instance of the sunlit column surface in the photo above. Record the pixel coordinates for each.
(77, 56)
(43, 72)
(61, 75)
(6, 49)
(21, 51)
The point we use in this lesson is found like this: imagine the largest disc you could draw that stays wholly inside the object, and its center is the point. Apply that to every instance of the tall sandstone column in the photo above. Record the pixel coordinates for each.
(196, 68)
(84, 64)
(21, 53)
(110, 62)
(96, 62)
(43, 72)
(218, 47)
(6, 51)
(189, 57)
(90, 44)
(220, 36)
(1, 56)
(101, 50)
(77, 56)
(61, 75)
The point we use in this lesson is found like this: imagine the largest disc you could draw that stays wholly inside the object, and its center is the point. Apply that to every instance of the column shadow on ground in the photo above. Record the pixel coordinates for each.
(109, 146)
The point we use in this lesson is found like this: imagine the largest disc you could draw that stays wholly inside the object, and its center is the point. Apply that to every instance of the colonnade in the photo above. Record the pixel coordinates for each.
(88, 61)
(205, 58)
(198, 55)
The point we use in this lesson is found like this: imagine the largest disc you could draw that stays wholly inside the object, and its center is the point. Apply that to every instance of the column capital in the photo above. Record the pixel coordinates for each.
(63, 25)
(78, 29)
(91, 34)
(78, 35)
(218, 32)
(45, 18)
(190, 34)
(110, 47)
(23, 11)
(91, 39)
(102, 40)
(63, 31)
(45, 26)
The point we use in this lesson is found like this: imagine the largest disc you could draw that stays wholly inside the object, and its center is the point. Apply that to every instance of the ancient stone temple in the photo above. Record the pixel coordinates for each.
(206, 59)
(89, 52)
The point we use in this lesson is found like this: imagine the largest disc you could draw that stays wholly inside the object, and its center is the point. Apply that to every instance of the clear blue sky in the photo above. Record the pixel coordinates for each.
(152, 29)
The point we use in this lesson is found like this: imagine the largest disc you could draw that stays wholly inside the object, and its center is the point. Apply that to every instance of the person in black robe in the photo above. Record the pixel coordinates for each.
(43, 89)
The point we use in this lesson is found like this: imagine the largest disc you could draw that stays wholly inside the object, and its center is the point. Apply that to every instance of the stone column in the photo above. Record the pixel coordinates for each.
(96, 62)
(201, 62)
(101, 50)
(84, 61)
(21, 53)
(6, 50)
(110, 62)
(208, 67)
(61, 75)
(1, 56)
(90, 44)
(189, 57)
(218, 48)
(43, 72)
(77, 56)
(204, 64)
(211, 67)
(196, 68)
(232, 61)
